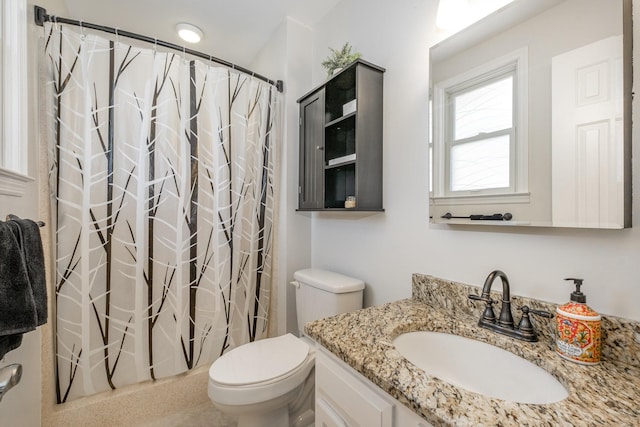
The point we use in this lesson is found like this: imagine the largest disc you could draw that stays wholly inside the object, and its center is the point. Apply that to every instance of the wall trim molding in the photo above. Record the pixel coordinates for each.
(13, 183)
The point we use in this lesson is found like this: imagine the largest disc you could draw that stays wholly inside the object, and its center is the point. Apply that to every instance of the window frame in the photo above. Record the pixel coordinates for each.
(515, 63)
(451, 142)
(14, 98)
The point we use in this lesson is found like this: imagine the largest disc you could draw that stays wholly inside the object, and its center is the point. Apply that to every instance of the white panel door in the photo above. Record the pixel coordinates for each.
(587, 152)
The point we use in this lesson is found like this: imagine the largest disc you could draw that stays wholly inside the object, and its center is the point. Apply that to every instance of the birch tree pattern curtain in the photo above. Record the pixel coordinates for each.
(162, 180)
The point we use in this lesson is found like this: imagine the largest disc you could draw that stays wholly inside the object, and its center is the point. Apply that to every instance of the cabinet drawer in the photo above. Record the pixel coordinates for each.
(342, 399)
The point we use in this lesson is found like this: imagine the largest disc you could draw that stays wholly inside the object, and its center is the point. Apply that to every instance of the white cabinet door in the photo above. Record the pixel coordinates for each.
(344, 399)
(326, 416)
(405, 417)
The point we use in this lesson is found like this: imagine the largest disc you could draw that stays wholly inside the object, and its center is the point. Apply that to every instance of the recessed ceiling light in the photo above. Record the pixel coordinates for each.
(189, 33)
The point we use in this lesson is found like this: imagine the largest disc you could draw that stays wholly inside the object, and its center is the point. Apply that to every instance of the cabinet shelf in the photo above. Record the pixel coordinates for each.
(342, 160)
(339, 165)
(341, 154)
(340, 119)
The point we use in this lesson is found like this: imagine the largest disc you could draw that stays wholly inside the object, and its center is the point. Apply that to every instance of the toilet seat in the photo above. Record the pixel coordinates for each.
(260, 371)
(259, 362)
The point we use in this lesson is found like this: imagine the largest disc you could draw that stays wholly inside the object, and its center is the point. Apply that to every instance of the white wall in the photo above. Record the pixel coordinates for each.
(287, 56)
(385, 249)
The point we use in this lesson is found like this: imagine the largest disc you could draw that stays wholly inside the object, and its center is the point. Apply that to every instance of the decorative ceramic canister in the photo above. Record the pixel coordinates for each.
(578, 329)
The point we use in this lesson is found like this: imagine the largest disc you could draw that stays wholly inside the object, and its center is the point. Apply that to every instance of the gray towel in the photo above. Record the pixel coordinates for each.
(8, 343)
(27, 234)
(23, 294)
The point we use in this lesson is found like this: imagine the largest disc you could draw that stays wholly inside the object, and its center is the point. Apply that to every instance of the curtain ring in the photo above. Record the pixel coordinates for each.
(82, 35)
(117, 36)
(155, 46)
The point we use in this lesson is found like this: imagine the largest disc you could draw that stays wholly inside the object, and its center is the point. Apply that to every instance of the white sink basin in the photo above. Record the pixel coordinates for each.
(480, 367)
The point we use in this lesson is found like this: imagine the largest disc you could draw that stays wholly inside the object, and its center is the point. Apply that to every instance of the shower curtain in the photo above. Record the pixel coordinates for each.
(163, 196)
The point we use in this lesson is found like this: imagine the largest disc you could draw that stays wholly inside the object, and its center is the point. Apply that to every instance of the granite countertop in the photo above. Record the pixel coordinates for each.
(603, 394)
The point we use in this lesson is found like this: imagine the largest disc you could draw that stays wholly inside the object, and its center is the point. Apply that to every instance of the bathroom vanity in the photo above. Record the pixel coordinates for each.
(360, 373)
(346, 398)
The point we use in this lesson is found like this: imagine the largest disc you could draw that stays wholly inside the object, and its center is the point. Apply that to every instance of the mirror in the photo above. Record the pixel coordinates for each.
(531, 117)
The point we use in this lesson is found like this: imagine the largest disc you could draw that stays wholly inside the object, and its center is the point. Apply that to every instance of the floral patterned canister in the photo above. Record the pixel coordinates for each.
(578, 333)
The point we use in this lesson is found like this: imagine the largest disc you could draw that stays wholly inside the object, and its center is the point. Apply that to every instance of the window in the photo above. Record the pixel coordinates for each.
(479, 138)
(13, 97)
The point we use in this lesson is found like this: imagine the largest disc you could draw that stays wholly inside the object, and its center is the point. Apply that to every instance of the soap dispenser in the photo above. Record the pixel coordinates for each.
(578, 329)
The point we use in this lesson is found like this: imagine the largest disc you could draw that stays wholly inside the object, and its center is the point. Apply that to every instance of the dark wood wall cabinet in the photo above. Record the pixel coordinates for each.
(341, 142)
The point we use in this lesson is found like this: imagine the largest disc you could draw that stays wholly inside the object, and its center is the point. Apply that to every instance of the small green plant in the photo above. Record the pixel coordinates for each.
(340, 58)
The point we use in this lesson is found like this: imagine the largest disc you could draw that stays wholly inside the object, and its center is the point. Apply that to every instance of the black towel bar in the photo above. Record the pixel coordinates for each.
(11, 217)
(495, 217)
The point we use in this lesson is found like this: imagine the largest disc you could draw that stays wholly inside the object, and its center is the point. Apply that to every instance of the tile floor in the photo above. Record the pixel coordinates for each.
(204, 415)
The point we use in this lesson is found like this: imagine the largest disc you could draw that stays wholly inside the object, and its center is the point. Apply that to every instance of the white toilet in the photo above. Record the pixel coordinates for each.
(270, 382)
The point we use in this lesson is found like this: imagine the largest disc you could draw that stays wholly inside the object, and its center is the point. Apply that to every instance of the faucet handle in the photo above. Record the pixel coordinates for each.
(541, 313)
(525, 326)
(486, 299)
(488, 314)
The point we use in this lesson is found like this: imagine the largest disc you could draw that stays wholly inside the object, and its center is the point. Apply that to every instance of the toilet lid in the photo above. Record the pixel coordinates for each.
(259, 361)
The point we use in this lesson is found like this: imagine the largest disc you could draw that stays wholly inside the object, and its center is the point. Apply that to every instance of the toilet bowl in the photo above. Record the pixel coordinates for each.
(270, 382)
(260, 381)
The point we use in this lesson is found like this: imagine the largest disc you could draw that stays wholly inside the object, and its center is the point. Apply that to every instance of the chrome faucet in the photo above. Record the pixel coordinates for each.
(504, 324)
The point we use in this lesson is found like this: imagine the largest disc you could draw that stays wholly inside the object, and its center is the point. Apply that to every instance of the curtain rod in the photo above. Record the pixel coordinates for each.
(41, 16)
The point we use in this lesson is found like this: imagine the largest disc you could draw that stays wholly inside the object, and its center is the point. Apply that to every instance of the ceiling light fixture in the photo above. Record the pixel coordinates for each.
(452, 14)
(189, 32)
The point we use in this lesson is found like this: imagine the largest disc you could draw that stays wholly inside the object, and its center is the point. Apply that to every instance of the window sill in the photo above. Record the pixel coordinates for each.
(13, 183)
(481, 199)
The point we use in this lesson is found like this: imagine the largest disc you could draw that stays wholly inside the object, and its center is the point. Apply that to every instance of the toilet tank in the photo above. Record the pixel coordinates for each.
(322, 293)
